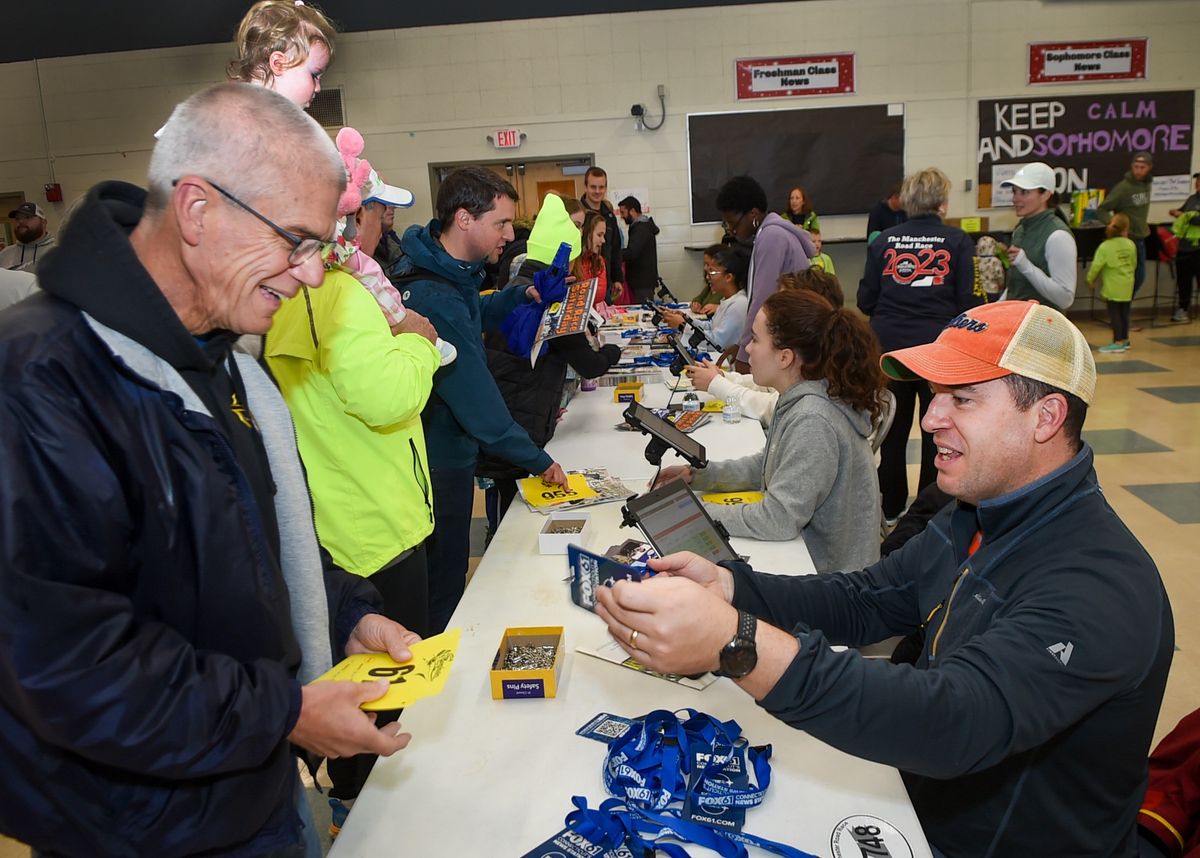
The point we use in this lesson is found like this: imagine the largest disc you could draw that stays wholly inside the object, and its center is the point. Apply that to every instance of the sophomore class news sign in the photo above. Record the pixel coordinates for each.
(1079, 62)
(1089, 140)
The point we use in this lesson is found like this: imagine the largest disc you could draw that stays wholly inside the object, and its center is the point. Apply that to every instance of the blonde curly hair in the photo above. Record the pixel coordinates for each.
(288, 26)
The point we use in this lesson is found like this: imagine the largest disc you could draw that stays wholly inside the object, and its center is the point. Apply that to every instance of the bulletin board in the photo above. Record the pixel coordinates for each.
(1089, 140)
(846, 158)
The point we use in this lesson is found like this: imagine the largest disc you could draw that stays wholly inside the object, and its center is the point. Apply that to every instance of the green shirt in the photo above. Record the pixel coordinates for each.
(1132, 199)
(1114, 263)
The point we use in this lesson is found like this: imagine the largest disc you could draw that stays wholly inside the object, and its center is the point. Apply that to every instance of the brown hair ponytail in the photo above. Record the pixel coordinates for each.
(833, 344)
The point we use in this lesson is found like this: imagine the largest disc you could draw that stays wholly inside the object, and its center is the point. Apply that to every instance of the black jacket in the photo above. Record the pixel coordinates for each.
(641, 258)
(612, 242)
(533, 394)
(919, 275)
(1023, 727)
(882, 217)
(147, 653)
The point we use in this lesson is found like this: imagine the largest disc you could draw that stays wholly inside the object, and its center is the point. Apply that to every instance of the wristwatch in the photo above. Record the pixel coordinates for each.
(740, 655)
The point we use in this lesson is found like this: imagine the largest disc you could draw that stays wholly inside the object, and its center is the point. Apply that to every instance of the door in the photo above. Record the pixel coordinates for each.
(531, 178)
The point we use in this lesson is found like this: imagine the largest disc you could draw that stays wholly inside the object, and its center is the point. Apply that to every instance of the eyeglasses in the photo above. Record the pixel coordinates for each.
(714, 272)
(732, 229)
(303, 247)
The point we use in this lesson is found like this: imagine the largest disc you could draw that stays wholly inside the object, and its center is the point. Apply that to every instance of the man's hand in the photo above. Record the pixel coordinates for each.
(532, 293)
(414, 323)
(673, 318)
(684, 472)
(376, 633)
(684, 564)
(331, 724)
(702, 374)
(681, 626)
(555, 474)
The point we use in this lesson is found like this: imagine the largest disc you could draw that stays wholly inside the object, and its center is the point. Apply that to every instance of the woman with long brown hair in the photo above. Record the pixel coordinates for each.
(590, 262)
(816, 471)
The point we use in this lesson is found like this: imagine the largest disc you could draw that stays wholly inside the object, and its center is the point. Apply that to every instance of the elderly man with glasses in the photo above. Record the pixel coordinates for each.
(163, 599)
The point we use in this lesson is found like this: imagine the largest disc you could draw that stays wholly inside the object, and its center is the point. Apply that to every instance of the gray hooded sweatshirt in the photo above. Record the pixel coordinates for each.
(818, 477)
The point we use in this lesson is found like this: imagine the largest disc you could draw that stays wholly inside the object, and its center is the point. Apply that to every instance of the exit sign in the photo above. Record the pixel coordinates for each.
(508, 138)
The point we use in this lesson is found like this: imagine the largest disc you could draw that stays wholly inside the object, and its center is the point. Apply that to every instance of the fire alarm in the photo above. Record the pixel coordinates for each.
(53, 192)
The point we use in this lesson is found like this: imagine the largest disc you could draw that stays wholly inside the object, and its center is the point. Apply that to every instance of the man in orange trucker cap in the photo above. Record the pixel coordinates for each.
(1023, 727)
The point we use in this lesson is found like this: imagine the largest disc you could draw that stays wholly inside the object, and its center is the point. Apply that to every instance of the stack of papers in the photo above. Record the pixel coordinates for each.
(584, 488)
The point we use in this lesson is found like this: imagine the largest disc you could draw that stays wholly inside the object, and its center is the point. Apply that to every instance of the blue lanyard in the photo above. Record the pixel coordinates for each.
(649, 767)
(614, 824)
(660, 359)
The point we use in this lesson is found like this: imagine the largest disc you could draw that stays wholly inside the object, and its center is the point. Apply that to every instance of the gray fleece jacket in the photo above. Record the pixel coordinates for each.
(818, 478)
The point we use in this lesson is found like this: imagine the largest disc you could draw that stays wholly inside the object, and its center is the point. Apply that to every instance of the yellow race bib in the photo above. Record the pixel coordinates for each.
(732, 498)
(424, 676)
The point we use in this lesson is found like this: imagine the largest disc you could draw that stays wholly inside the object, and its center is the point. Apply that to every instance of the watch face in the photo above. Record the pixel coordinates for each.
(738, 658)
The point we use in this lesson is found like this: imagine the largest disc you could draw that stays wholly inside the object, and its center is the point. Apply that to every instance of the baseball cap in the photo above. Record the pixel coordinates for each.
(1145, 157)
(28, 210)
(1035, 175)
(375, 190)
(1008, 337)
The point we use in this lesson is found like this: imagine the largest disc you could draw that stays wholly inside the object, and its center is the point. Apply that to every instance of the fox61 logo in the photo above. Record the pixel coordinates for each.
(865, 836)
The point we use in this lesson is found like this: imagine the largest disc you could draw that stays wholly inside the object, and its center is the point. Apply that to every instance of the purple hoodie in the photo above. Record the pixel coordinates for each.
(780, 247)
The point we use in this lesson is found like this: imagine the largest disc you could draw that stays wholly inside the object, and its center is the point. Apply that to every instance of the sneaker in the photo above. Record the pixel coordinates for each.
(1180, 315)
(1113, 348)
(338, 814)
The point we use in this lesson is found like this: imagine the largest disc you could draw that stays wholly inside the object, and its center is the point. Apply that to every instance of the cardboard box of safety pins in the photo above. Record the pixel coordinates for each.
(528, 663)
(630, 391)
(561, 529)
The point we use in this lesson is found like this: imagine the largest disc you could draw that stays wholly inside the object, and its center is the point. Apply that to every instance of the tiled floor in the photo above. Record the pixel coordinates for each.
(1129, 366)
(1187, 393)
(1147, 440)
(1177, 341)
(1108, 442)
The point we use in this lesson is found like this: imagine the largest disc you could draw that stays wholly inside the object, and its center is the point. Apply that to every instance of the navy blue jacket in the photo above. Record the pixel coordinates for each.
(882, 217)
(466, 411)
(147, 654)
(1023, 727)
(919, 275)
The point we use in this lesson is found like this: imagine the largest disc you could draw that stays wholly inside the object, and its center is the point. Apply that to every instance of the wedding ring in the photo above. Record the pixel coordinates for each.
(633, 636)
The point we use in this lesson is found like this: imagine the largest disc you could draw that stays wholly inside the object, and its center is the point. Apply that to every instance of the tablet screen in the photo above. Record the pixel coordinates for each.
(660, 428)
(673, 520)
(681, 350)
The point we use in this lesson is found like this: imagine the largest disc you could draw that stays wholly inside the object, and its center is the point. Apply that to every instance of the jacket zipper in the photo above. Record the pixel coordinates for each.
(420, 477)
(946, 618)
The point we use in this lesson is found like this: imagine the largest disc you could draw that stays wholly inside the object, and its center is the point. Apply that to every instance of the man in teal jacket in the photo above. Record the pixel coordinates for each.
(440, 276)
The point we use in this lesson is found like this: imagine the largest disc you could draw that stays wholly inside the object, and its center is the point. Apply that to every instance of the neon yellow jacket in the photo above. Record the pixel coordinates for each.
(1114, 263)
(356, 396)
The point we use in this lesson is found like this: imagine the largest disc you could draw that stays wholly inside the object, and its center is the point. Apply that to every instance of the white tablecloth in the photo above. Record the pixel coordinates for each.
(487, 777)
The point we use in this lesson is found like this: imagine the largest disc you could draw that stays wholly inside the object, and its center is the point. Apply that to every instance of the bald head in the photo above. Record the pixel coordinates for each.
(243, 137)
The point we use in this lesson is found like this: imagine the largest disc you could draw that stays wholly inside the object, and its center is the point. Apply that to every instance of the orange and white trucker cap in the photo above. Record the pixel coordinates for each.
(995, 340)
